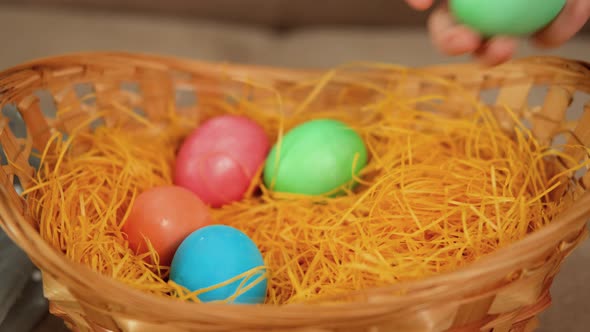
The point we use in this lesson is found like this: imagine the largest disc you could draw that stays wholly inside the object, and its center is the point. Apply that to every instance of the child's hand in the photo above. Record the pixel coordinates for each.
(454, 39)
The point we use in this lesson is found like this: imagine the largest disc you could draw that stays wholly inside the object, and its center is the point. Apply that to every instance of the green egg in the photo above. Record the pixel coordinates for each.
(506, 17)
(316, 158)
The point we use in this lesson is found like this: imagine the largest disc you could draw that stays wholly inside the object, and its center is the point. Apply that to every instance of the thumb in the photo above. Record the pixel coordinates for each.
(571, 20)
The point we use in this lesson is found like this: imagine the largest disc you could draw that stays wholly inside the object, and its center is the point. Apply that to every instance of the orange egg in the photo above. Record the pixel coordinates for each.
(165, 216)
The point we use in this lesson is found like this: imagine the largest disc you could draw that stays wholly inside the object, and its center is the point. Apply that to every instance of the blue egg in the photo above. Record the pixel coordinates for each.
(215, 254)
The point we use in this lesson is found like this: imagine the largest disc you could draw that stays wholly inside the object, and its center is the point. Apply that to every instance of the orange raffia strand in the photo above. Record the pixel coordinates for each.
(438, 192)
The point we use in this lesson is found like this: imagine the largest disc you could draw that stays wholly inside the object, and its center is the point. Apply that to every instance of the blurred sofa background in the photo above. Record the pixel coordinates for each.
(273, 32)
(302, 33)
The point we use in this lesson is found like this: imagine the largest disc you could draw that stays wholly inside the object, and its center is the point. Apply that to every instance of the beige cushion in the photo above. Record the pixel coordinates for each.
(28, 34)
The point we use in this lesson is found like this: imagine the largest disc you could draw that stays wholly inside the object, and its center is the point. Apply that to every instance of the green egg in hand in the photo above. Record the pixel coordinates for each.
(506, 17)
(315, 158)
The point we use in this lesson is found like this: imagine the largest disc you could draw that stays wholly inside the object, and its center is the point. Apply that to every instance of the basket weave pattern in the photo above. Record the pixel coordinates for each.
(503, 292)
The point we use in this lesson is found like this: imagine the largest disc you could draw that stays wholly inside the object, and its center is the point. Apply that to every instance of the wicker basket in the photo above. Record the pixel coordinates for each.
(503, 292)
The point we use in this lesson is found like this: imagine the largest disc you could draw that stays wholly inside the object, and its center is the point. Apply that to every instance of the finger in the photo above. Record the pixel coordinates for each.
(450, 38)
(572, 18)
(496, 51)
(420, 4)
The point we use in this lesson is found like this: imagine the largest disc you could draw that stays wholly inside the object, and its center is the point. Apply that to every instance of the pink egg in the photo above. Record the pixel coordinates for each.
(220, 158)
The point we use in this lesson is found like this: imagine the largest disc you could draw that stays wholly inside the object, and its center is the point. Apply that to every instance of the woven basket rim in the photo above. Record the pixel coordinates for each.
(556, 64)
(567, 225)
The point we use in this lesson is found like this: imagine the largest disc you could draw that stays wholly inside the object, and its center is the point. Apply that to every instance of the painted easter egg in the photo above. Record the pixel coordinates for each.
(215, 254)
(505, 17)
(318, 157)
(165, 216)
(219, 160)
